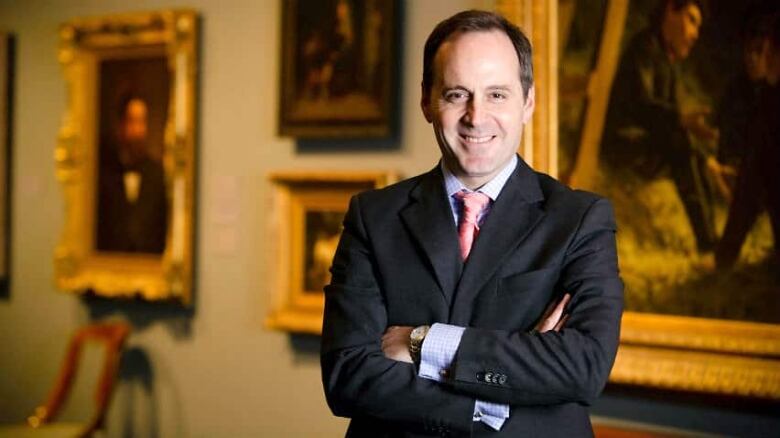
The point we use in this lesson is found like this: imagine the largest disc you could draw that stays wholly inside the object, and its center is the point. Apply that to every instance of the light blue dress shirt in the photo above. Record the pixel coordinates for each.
(442, 341)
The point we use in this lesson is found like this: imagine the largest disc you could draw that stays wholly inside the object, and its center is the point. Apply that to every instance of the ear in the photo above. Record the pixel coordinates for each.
(425, 102)
(529, 105)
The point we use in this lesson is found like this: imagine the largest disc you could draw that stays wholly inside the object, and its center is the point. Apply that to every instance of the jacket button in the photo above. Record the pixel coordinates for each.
(502, 379)
(480, 376)
(488, 377)
(495, 378)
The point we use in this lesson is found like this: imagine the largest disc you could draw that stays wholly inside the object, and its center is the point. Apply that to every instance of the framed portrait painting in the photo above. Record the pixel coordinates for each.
(675, 143)
(338, 64)
(125, 155)
(309, 210)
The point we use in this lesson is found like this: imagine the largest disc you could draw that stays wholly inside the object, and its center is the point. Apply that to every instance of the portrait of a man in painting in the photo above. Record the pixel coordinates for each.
(132, 207)
(688, 115)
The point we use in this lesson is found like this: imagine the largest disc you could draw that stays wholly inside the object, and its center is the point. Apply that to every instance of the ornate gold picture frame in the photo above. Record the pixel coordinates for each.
(125, 155)
(674, 352)
(309, 210)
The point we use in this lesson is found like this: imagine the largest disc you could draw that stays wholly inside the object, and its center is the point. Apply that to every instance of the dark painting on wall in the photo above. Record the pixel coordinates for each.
(338, 60)
(679, 136)
(132, 210)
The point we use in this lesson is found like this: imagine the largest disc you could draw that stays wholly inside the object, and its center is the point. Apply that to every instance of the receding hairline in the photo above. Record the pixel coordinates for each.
(450, 40)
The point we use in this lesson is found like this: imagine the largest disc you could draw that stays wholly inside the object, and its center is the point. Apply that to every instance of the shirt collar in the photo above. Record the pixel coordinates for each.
(492, 188)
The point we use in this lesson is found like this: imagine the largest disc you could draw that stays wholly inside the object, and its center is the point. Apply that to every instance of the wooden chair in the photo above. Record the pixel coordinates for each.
(113, 336)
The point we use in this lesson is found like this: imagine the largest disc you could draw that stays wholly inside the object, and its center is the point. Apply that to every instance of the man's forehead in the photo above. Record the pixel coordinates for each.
(476, 45)
(693, 13)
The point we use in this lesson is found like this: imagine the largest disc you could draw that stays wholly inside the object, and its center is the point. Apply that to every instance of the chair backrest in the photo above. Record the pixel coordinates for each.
(113, 336)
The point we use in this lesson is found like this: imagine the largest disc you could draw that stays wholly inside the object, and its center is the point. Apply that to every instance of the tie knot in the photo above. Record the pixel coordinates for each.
(473, 204)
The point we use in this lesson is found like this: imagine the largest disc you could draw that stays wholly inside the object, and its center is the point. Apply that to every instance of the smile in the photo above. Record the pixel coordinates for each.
(477, 140)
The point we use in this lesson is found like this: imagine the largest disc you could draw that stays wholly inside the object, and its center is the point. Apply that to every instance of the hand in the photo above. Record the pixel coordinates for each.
(721, 174)
(554, 318)
(696, 122)
(395, 343)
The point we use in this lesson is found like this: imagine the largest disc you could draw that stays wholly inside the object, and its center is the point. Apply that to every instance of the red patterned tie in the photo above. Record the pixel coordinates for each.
(473, 203)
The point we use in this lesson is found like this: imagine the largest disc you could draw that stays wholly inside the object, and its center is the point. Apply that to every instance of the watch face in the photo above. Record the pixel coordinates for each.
(418, 334)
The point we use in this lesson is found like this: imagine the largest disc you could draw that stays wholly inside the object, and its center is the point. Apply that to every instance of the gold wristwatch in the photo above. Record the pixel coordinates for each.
(416, 339)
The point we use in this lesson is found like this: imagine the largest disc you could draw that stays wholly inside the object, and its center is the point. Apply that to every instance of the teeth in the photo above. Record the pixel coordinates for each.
(478, 139)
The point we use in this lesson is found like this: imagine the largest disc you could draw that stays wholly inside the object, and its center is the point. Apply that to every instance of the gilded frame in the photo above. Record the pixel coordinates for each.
(680, 353)
(83, 43)
(300, 198)
(356, 99)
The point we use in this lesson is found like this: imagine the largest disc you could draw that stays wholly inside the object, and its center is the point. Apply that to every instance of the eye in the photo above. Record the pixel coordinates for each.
(497, 95)
(455, 96)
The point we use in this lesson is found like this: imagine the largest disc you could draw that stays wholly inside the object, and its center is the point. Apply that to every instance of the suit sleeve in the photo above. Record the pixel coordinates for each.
(555, 367)
(359, 381)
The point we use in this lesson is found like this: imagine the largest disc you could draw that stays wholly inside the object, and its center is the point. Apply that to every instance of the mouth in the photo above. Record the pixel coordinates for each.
(477, 140)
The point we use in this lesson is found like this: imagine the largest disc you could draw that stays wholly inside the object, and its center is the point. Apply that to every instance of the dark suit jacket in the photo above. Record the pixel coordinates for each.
(398, 264)
(132, 227)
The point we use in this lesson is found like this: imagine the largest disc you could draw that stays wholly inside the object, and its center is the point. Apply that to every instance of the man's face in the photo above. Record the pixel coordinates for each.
(134, 124)
(755, 58)
(132, 132)
(681, 29)
(476, 104)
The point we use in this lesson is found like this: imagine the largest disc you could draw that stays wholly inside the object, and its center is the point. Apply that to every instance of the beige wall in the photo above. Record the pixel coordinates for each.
(218, 372)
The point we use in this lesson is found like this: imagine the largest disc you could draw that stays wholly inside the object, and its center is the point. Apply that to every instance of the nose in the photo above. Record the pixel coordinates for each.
(475, 113)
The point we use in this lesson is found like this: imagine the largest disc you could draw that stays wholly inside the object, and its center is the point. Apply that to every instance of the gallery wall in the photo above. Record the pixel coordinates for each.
(214, 370)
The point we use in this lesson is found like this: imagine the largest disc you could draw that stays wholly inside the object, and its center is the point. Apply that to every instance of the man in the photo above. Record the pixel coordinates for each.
(743, 91)
(757, 188)
(431, 329)
(132, 204)
(646, 131)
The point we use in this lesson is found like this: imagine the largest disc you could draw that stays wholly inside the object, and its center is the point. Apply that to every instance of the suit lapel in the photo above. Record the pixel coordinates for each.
(513, 215)
(429, 219)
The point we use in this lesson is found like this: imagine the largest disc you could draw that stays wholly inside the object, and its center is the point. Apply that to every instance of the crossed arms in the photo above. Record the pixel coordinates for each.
(570, 365)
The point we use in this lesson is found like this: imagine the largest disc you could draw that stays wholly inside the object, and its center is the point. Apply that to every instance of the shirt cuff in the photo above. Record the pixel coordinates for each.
(492, 414)
(438, 351)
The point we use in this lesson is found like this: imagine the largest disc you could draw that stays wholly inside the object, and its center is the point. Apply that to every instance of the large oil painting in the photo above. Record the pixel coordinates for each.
(675, 139)
(664, 110)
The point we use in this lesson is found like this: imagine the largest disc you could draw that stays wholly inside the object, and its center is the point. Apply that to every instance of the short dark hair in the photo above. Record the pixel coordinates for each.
(478, 21)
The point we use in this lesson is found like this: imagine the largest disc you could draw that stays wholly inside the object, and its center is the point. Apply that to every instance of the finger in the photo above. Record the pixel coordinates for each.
(561, 323)
(552, 314)
(542, 325)
(557, 313)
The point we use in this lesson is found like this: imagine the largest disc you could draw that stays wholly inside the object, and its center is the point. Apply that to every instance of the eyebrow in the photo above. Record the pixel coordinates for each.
(489, 88)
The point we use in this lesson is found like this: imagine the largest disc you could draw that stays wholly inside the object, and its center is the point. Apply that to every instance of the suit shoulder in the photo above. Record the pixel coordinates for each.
(385, 197)
(559, 195)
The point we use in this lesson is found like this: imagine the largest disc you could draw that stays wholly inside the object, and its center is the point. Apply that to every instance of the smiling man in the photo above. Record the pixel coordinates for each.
(481, 298)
